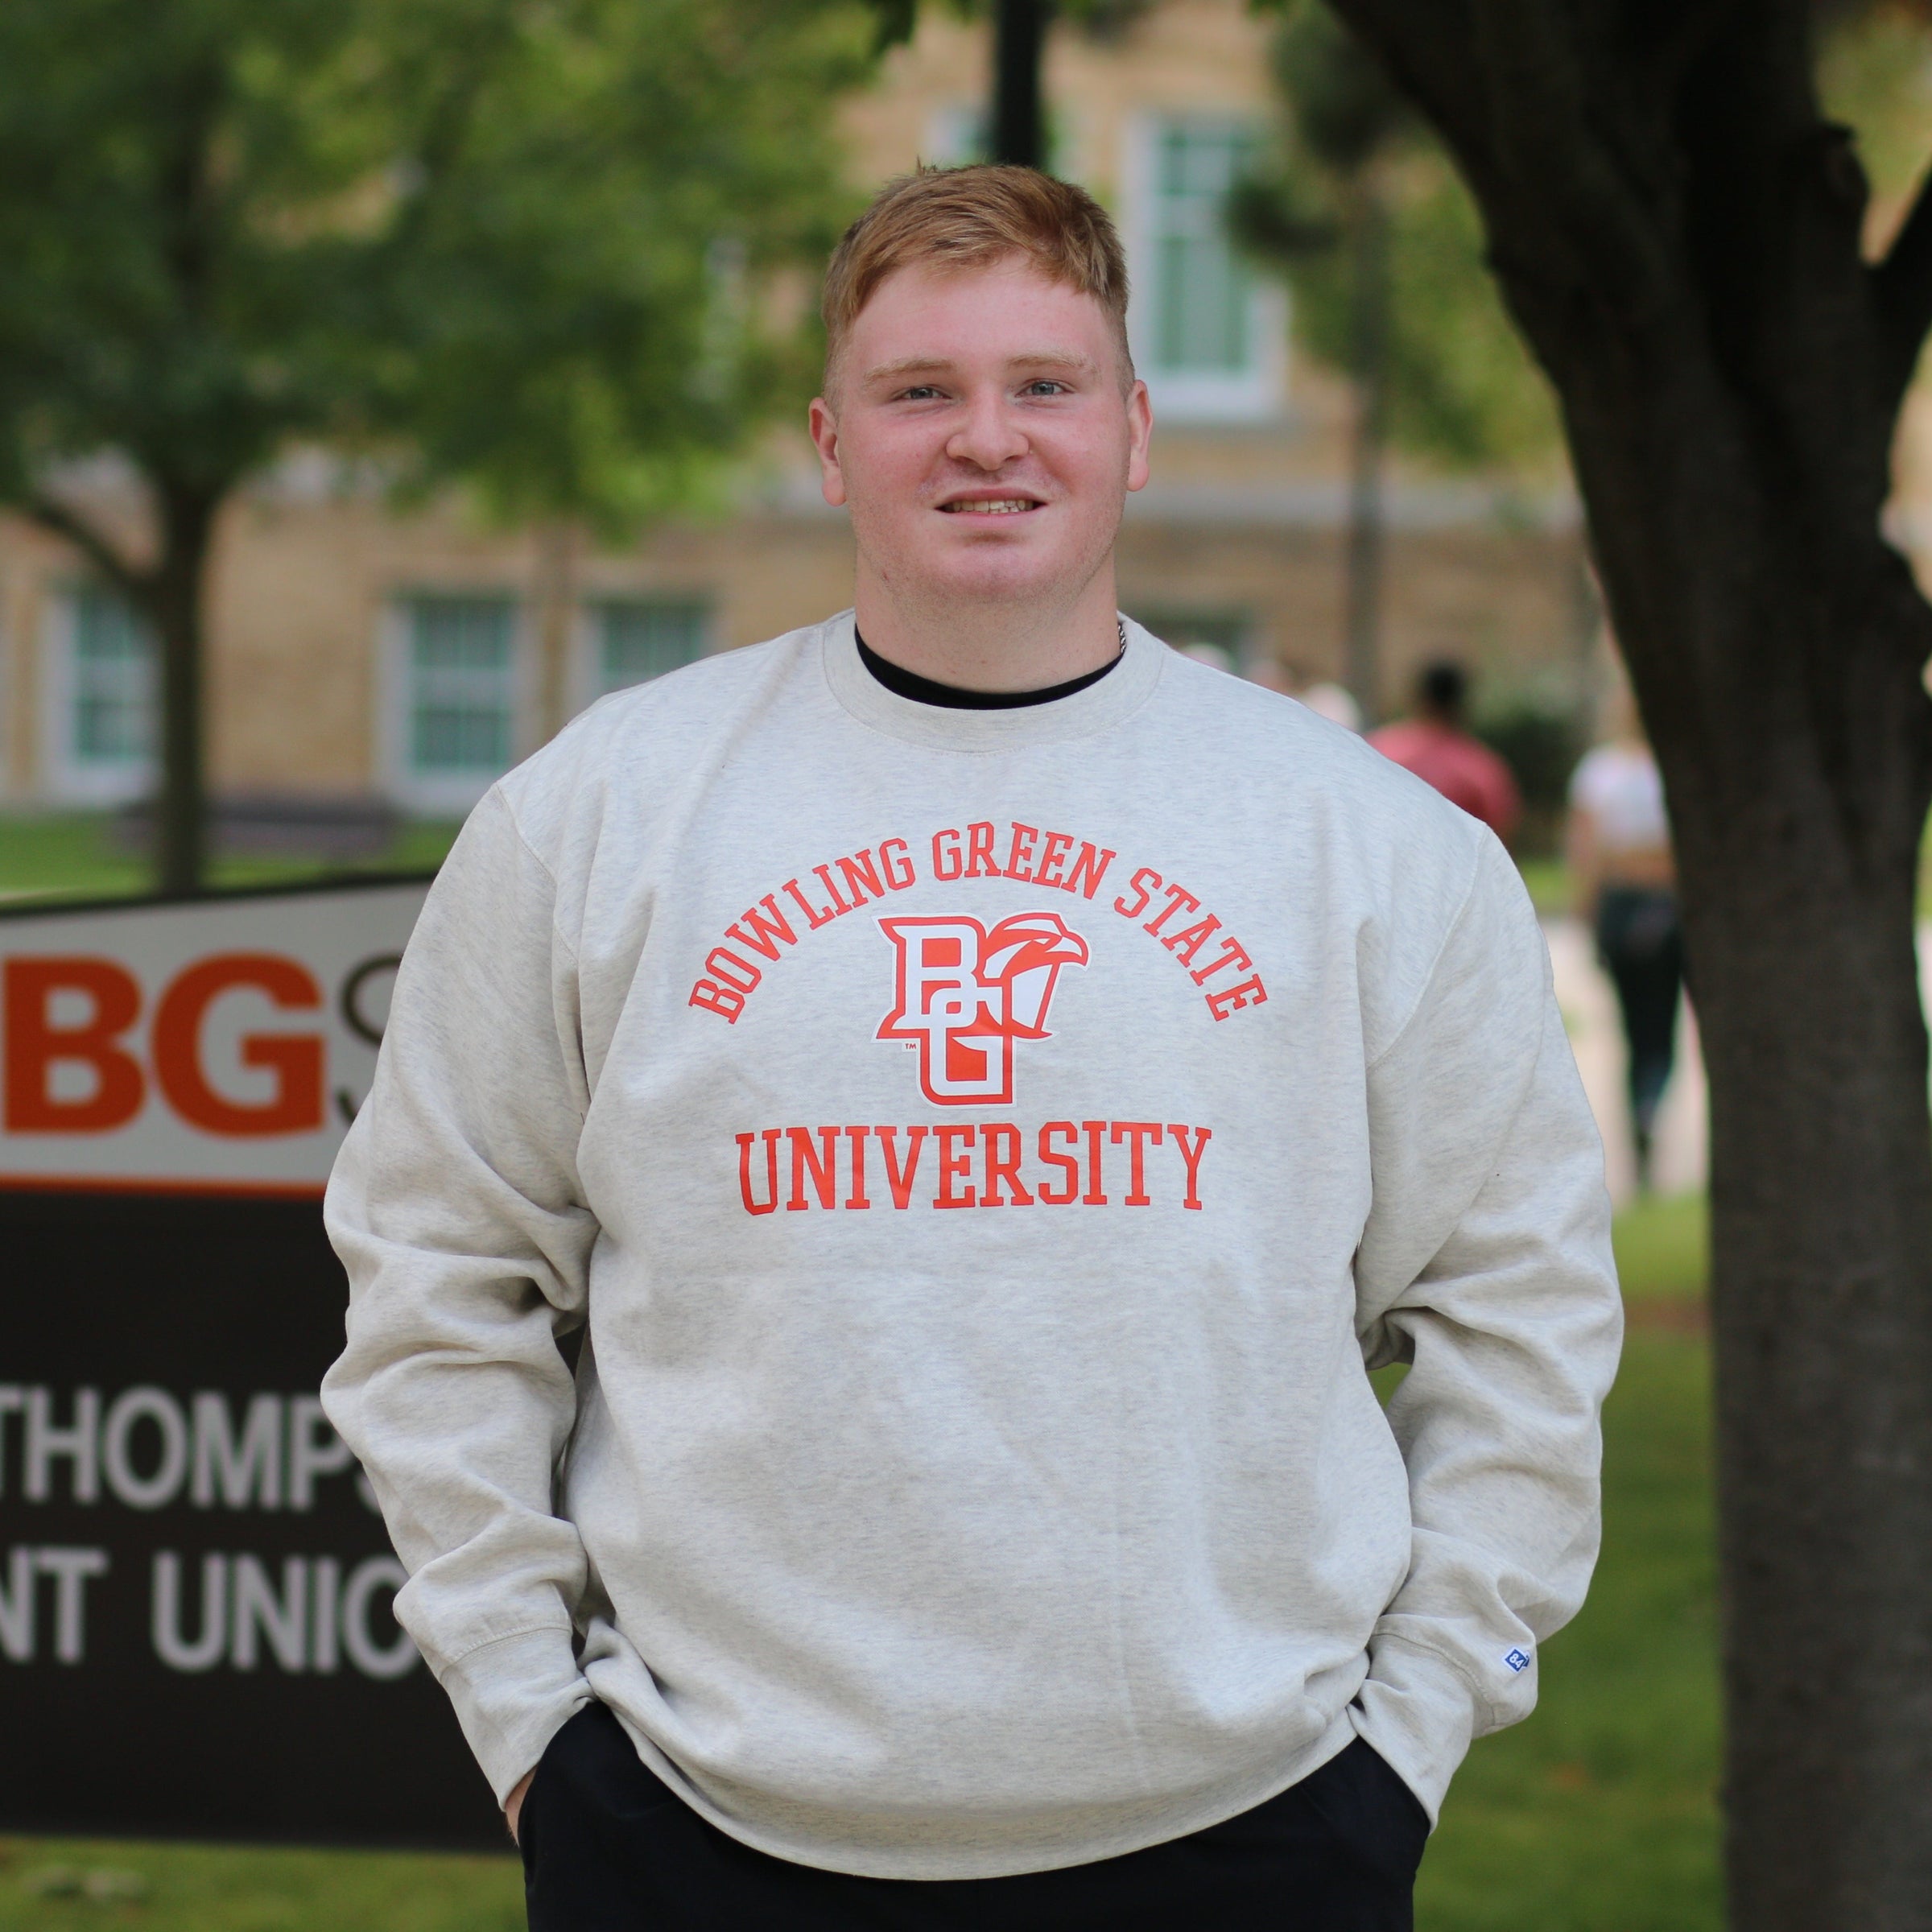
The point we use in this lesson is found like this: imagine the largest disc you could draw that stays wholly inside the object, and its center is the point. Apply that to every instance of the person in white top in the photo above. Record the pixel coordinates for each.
(983, 1091)
(1624, 877)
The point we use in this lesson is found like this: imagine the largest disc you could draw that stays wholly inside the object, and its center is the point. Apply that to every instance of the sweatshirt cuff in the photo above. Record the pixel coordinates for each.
(1417, 1712)
(513, 1696)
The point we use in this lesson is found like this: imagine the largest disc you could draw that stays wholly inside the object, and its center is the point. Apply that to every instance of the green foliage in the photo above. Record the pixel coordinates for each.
(1541, 740)
(1875, 75)
(1462, 389)
(898, 20)
(1344, 114)
(512, 243)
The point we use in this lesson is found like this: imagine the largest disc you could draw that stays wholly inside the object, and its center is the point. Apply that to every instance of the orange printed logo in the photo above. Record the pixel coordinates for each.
(966, 992)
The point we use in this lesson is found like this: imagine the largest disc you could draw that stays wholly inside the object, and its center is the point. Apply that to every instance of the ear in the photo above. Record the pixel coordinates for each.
(1139, 434)
(825, 439)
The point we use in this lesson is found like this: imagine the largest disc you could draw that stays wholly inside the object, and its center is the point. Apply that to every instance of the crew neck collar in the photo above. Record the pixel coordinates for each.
(1095, 707)
(957, 697)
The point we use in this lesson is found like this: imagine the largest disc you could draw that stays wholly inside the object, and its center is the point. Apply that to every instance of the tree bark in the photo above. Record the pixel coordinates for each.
(1368, 238)
(1773, 643)
(169, 593)
(174, 600)
(1019, 46)
(1677, 232)
(554, 593)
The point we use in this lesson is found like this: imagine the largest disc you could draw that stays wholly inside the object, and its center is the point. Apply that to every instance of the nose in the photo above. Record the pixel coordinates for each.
(988, 438)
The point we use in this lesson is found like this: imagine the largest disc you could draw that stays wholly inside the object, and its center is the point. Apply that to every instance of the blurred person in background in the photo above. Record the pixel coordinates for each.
(1624, 880)
(885, 1567)
(1326, 700)
(1216, 657)
(1332, 701)
(1437, 745)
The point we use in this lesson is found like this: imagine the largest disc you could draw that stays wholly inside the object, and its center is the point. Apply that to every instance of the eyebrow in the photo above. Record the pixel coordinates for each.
(1037, 358)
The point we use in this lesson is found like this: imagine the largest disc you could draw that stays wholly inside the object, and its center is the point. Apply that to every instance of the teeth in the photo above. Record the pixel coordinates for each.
(999, 506)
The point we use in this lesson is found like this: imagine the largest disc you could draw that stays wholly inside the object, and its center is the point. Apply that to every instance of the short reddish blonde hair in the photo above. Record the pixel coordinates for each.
(971, 217)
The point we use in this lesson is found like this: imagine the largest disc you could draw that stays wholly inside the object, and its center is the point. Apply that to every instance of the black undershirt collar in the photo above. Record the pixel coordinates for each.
(928, 690)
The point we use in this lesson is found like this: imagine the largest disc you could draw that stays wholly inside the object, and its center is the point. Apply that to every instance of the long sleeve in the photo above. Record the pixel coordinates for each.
(457, 1210)
(1486, 1265)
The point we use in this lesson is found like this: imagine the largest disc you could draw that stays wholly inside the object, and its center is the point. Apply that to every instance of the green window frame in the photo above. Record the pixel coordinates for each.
(115, 683)
(1201, 302)
(640, 638)
(462, 687)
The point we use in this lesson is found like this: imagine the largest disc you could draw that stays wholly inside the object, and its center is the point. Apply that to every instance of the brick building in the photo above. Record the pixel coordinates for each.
(354, 650)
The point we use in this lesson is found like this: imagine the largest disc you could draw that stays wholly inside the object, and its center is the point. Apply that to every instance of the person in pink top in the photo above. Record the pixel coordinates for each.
(1438, 748)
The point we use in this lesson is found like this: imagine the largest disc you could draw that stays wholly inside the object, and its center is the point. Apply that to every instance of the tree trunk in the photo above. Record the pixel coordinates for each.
(1774, 641)
(176, 604)
(1019, 46)
(554, 594)
(1361, 656)
(1821, 1219)
(1678, 232)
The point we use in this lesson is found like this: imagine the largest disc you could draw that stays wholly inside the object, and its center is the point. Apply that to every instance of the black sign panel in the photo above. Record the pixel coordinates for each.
(196, 1627)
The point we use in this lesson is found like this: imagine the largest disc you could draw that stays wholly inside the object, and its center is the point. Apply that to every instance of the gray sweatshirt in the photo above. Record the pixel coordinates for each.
(907, 1542)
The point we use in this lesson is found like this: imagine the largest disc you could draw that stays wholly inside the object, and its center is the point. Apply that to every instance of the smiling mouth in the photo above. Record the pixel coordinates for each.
(991, 506)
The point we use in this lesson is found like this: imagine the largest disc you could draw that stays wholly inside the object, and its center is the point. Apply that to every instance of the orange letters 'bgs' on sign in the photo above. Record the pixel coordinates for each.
(35, 1045)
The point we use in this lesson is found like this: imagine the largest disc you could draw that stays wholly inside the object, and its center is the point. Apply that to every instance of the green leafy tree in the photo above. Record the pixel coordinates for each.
(1461, 388)
(503, 245)
(1324, 216)
(1383, 247)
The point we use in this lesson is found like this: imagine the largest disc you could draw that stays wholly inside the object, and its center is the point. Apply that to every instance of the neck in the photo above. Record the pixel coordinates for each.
(1001, 646)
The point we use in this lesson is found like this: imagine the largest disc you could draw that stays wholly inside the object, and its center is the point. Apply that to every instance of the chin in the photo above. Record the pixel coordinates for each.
(993, 587)
(1008, 578)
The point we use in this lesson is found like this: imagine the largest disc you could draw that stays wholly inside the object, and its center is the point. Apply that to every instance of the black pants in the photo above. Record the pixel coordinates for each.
(608, 1848)
(1642, 949)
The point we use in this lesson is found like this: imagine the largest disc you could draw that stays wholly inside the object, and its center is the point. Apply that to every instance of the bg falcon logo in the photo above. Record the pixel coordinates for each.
(967, 992)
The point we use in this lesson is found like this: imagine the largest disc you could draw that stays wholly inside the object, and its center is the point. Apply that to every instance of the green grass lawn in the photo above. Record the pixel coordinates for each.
(1548, 883)
(1598, 1815)
(213, 1888)
(73, 855)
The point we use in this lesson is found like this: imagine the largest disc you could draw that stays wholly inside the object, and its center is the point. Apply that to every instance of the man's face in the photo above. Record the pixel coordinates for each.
(983, 432)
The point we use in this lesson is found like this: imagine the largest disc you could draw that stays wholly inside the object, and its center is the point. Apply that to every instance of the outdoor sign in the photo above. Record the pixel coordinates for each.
(195, 1630)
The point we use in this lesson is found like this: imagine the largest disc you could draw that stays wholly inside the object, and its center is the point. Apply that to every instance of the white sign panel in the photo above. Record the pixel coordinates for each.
(219, 1045)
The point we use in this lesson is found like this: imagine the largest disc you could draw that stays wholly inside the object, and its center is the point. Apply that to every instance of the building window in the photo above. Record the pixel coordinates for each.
(101, 699)
(1211, 333)
(635, 642)
(114, 680)
(1200, 307)
(460, 707)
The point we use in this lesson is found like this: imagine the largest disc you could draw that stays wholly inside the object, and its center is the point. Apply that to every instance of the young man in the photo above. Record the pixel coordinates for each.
(983, 1088)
